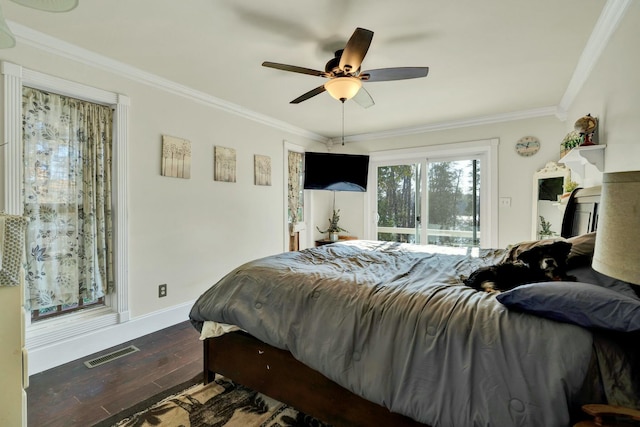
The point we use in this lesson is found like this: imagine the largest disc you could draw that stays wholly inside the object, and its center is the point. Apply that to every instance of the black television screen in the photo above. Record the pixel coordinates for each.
(337, 172)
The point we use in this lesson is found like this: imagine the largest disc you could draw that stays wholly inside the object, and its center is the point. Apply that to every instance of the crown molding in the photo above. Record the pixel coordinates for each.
(608, 22)
(456, 124)
(63, 49)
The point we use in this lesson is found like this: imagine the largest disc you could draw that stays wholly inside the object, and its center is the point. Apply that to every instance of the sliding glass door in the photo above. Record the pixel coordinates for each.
(436, 200)
(453, 203)
(398, 195)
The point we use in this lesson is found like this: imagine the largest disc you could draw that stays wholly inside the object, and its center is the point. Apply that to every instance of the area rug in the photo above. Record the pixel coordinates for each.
(219, 403)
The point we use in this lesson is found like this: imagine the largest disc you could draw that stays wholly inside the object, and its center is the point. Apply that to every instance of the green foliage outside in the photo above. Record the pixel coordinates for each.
(450, 201)
(397, 200)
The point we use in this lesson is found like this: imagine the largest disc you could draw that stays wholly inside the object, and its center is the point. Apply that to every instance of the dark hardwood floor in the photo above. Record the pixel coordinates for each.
(74, 395)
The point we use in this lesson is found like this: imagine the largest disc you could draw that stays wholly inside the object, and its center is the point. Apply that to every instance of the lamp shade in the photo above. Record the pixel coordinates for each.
(7, 39)
(617, 248)
(343, 88)
(49, 5)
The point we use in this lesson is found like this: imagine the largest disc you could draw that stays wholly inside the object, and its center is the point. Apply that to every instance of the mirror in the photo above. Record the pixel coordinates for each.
(548, 187)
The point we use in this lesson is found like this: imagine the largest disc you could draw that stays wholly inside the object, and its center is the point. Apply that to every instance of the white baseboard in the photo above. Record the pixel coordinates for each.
(61, 352)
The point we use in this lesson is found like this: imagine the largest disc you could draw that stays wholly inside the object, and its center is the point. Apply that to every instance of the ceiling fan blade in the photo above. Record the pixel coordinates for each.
(310, 94)
(363, 98)
(399, 73)
(355, 50)
(49, 5)
(294, 69)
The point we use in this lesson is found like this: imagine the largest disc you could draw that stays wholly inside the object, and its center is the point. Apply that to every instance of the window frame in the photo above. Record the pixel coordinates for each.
(300, 227)
(486, 150)
(117, 310)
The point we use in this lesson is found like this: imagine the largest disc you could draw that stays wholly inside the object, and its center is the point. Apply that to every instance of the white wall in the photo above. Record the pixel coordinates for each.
(515, 174)
(612, 93)
(186, 233)
(351, 206)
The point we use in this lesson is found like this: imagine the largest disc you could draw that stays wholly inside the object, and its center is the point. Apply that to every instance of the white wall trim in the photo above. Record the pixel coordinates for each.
(47, 82)
(607, 24)
(121, 195)
(15, 77)
(441, 150)
(67, 50)
(478, 121)
(486, 148)
(12, 77)
(49, 356)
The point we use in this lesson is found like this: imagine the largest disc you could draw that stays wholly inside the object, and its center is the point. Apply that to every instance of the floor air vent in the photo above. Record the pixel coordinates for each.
(111, 356)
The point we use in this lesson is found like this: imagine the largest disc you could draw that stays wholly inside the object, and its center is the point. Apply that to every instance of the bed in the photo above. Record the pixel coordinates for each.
(377, 333)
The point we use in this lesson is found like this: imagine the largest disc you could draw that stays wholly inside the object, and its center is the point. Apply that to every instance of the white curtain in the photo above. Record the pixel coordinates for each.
(67, 197)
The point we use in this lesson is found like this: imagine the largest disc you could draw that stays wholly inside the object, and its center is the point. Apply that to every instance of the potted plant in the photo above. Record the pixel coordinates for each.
(568, 188)
(334, 228)
(545, 228)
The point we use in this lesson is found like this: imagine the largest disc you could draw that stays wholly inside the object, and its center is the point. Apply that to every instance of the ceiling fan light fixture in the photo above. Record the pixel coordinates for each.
(343, 88)
(7, 39)
(49, 5)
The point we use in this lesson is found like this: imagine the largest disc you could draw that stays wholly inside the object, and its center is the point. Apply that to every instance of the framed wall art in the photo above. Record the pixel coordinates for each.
(176, 157)
(262, 170)
(224, 168)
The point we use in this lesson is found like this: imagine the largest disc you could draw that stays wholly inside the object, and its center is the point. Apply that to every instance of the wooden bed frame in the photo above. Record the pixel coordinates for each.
(581, 212)
(276, 373)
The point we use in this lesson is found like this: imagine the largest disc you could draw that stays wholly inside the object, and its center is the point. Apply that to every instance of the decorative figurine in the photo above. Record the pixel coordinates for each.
(587, 126)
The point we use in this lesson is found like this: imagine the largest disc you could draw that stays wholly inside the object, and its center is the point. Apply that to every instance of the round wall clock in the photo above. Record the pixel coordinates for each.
(527, 146)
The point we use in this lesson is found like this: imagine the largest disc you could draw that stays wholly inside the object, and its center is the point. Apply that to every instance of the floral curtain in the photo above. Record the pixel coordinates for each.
(295, 188)
(67, 194)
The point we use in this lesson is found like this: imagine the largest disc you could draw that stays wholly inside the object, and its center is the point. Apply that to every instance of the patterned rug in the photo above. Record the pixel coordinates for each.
(217, 404)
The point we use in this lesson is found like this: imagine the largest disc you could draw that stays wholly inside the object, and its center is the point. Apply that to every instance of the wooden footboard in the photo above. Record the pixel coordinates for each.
(276, 373)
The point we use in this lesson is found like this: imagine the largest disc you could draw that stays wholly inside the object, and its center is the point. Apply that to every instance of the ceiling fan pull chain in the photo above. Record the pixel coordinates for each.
(343, 123)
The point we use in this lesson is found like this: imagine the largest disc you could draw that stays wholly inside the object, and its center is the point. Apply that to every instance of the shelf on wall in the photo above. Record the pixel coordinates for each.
(580, 156)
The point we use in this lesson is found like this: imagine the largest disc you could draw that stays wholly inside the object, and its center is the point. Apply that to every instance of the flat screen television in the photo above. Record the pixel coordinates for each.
(337, 172)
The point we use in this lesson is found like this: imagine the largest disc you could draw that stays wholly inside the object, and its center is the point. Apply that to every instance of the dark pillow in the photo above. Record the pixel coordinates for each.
(579, 303)
(582, 245)
(582, 248)
(586, 274)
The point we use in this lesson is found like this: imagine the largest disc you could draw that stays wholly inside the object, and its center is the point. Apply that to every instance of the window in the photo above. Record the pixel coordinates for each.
(67, 156)
(116, 311)
(441, 195)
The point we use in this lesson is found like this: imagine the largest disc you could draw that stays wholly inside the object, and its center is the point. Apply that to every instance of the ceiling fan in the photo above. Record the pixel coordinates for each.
(343, 72)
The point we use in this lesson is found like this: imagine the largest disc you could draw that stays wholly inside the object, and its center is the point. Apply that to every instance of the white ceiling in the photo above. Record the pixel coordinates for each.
(488, 58)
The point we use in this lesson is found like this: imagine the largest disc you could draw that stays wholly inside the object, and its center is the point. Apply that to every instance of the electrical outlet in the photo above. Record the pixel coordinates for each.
(505, 202)
(162, 290)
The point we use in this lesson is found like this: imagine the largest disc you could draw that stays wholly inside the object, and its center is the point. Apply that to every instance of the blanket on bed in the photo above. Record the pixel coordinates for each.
(394, 323)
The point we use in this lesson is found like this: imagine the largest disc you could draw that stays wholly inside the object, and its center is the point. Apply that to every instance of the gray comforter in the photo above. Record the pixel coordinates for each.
(394, 324)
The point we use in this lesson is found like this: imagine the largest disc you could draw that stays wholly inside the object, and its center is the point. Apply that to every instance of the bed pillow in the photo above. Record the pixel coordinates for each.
(582, 245)
(582, 248)
(583, 304)
(586, 274)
